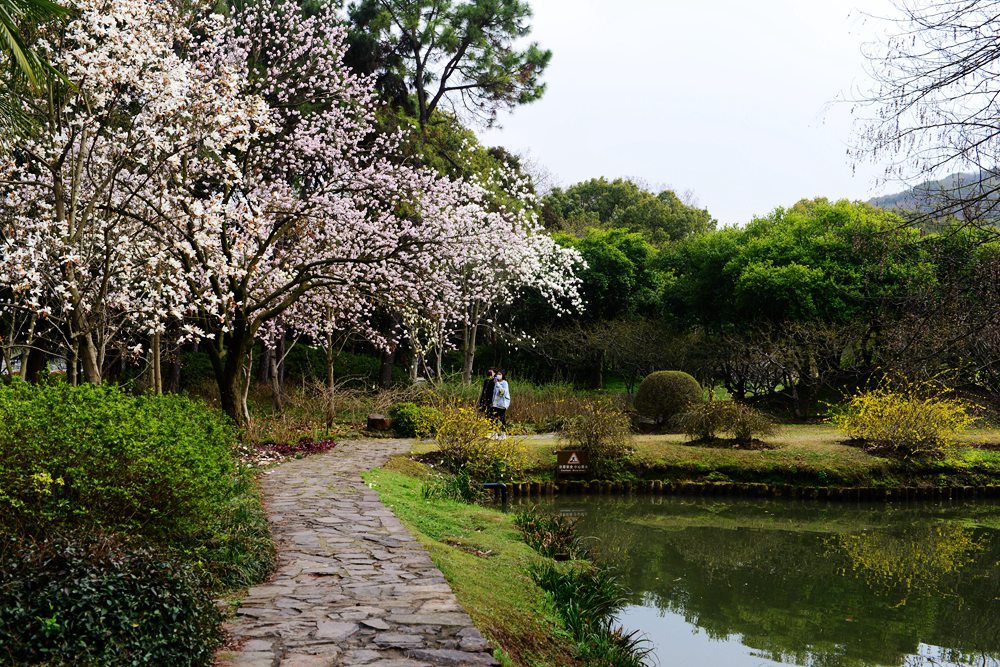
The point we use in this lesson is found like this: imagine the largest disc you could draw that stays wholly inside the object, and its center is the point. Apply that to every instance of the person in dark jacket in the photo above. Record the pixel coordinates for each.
(501, 400)
(486, 395)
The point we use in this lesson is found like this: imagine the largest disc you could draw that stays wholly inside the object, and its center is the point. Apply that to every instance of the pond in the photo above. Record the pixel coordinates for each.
(746, 582)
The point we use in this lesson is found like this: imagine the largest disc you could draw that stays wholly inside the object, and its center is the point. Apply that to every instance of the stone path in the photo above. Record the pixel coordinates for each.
(352, 586)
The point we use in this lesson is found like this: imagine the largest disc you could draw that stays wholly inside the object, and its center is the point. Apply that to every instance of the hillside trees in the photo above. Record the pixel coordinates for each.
(799, 297)
(622, 203)
(934, 103)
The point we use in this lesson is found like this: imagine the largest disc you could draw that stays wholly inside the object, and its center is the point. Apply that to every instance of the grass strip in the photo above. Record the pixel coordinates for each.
(481, 554)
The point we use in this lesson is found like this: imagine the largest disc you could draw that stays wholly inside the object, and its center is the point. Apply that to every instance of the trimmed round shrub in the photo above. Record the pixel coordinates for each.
(90, 601)
(410, 420)
(665, 394)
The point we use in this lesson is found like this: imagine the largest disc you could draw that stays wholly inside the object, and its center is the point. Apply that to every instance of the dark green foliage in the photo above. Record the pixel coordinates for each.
(551, 535)
(305, 362)
(238, 551)
(587, 598)
(815, 261)
(91, 601)
(621, 277)
(426, 52)
(196, 370)
(410, 420)
(621, 203)
(665, 394)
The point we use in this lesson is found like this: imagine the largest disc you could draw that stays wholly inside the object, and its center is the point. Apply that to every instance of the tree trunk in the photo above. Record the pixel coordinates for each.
(88, 355)
(157, 371)
(599, 370)
(72, 362)
(26, 350)
(328, 403)
(469, 352)
(227, 357)
(175, 371)
(36, 362)
(264, 370)
(386, 368)
(277, 391)
(244, 375)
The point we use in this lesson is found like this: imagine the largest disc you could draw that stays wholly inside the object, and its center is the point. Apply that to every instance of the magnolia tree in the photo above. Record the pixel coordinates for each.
(80, 197)
(510, 255)
(221, 179)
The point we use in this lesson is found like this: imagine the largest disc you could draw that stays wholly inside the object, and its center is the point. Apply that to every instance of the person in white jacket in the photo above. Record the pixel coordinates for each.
(501, 398)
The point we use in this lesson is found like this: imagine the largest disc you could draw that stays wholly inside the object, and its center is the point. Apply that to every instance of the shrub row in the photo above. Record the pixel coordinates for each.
(160, 471)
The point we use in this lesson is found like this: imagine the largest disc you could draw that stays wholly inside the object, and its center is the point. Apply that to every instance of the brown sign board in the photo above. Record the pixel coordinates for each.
(572, 462)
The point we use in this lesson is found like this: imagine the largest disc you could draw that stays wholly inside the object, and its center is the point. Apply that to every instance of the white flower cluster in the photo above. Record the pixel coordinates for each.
(208, 177)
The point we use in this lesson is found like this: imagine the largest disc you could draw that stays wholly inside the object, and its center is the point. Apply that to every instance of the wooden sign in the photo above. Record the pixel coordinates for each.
(571, 462)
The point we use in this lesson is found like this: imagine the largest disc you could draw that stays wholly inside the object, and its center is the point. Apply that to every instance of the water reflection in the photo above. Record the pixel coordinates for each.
(753, 582)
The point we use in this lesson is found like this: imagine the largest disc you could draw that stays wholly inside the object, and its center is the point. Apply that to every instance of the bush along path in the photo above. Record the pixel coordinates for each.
(352, 586)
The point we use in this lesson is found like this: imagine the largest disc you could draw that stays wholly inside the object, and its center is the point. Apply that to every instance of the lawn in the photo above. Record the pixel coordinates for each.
(812, 455)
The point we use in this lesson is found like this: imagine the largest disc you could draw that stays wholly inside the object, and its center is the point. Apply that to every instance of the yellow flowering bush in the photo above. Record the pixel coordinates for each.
(469, 445)
(906, 419)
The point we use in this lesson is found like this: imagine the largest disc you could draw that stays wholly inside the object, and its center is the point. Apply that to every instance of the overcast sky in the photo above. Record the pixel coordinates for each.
(729, 99)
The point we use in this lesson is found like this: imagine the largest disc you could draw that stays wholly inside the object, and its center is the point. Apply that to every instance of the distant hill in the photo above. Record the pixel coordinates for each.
(943, 197)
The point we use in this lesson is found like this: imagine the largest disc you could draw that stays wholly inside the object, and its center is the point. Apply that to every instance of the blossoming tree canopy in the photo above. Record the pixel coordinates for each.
(79, 194)
(219, 178)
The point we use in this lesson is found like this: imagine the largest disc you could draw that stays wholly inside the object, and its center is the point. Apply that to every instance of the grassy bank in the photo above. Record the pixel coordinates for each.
(812, 455)
(487, 564)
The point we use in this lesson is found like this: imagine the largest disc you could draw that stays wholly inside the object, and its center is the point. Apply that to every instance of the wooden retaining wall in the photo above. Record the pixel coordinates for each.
(753, 490)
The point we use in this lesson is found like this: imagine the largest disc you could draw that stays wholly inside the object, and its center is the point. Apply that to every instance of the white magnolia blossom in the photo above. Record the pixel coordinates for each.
(220, 179)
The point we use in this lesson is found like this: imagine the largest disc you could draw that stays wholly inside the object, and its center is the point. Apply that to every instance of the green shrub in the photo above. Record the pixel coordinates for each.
(97, 602)
(905, 419)
(237, 550)
(587, 598)
(410, 420)
(468, 445)
(705, 421)
(158, 467)
(604, 431)
(665, 394)
(459, 487)
(550, 535)
(196, 369)
(746, 423)
(90, 456)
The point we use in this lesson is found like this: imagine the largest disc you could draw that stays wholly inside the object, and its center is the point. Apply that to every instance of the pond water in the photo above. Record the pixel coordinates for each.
(746, 582)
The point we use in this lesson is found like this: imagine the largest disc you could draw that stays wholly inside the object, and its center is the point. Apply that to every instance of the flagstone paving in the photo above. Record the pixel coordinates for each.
(352, 586)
